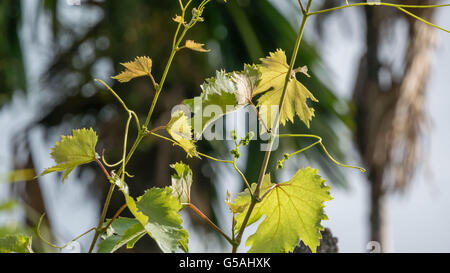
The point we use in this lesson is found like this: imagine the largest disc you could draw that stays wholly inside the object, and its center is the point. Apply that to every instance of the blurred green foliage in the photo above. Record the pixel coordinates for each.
(12, 74)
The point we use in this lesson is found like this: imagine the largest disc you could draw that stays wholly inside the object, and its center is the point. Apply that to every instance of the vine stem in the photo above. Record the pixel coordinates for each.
(423, 20)
(103, 168)
(122, 103)
(301, 6)
(259, 116)
(400, 7)
(115, 217)
(243, 177)
(211, 223)
(213, 158)
(378, 4)
(265, 163)
(318, 142)
(105, 207)
(38, 231)
(177, 41)
(102, 218)
(99, 229)
(178, 38)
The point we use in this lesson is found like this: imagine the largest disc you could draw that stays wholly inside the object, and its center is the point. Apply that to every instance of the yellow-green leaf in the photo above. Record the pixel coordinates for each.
(123, 231)
(180, 130)
(141, 66)
(273, 76)
(293, 210)
(178, 19)
(192, 45)
(72, 151)
(157, 211)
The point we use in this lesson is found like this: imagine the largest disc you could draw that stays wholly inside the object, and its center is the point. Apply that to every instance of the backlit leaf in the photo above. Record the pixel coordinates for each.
(180, 130)
(178, 19)
(141, 66)
(158, 212)
(273, 76)
(72, 151)
(192, 45)
(293, 211)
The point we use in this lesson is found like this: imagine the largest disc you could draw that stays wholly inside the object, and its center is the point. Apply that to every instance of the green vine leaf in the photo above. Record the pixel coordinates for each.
(293, 210)
(140, 67)
(181, 182)
(274, 70)
(123, 231)
(73, 151)
(158, 212)
(15, 243)
(180, 130)
(227, 91)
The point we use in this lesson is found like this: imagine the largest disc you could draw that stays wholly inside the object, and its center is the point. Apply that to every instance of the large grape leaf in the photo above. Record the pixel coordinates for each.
(274, 69)
(227, 92)
(73, 151)
(293, 211)
(180, 130)
(15, 243)
(158, 212)
(140, 67)
(181, 182)
(123, 231)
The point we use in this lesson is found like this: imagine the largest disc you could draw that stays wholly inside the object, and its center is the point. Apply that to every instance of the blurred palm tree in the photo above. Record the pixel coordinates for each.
(390, 120)
(239, 32)
(389, 105)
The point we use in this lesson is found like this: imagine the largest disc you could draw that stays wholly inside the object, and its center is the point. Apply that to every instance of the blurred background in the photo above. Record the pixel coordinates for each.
(381, 78)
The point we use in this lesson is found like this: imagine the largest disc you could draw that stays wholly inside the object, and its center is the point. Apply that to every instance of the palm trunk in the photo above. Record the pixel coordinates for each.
(377, 214)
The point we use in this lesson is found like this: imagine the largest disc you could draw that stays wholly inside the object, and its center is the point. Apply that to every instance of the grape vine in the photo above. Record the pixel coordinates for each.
(273, 89)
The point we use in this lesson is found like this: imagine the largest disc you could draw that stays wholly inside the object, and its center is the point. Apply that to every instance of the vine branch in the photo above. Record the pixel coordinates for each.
(318, 142)
(105, 207)
(211, 223)
(377, 4)
(114, 217)
(38, 231)
(400, 7)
